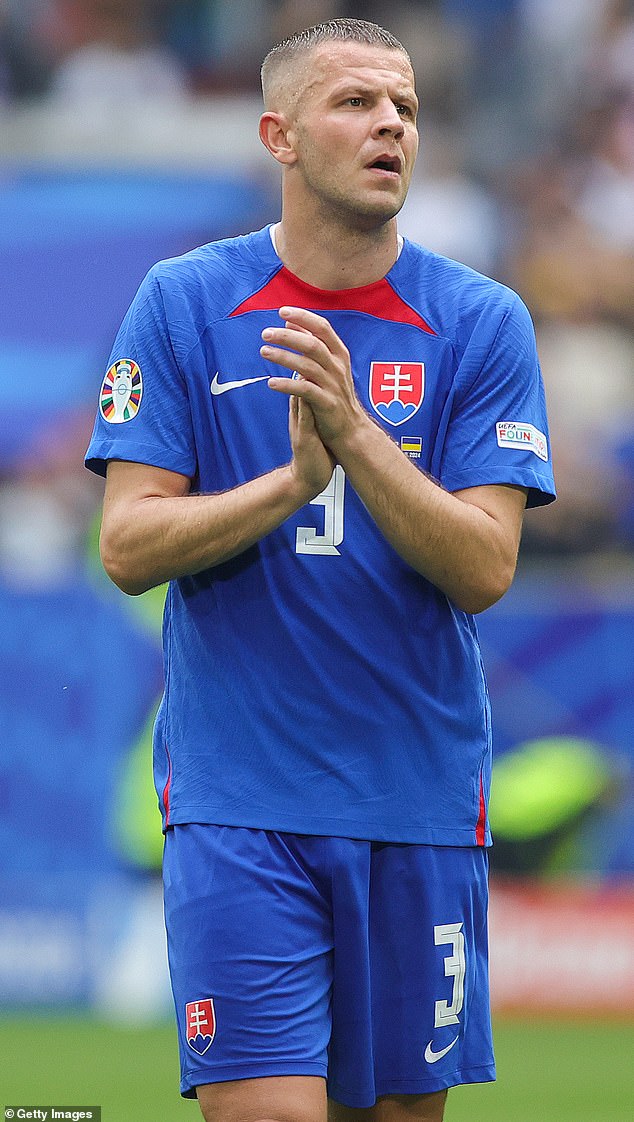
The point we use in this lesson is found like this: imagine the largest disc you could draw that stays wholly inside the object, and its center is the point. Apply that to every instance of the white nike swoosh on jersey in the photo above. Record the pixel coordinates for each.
(217, 387)
(432, 1057)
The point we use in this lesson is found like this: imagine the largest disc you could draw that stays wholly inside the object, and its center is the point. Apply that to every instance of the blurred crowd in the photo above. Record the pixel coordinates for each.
(526, 173)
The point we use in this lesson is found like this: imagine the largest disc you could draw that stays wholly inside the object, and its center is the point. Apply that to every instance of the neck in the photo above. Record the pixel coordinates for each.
(335, 256)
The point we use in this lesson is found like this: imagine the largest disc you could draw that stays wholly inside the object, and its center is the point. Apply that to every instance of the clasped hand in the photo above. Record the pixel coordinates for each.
(324, 407)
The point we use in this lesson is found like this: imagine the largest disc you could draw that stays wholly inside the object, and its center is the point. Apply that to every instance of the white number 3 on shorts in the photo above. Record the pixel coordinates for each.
(447, 1013)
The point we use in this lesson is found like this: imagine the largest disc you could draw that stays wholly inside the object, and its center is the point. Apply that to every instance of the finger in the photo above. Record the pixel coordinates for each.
(300, 412)
(312, 321)
(298, 340)
(294, 388)
(315, 324)
(297, 327)
(305, 415)
(307, 369)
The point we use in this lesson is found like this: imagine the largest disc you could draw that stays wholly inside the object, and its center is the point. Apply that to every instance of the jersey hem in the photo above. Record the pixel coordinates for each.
(335, 828)
(225, 1073)
(101, 453)
(484, 1073)
(540, 488)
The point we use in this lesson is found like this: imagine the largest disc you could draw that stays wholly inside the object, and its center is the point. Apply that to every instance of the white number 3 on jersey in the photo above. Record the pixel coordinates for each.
(307, 540)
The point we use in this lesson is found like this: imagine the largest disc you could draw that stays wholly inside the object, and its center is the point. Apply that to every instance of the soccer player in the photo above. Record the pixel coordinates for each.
(324, 438)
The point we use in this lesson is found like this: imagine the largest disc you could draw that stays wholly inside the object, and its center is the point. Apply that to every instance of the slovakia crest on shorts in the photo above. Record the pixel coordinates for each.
(397, 390)
(200, 1024)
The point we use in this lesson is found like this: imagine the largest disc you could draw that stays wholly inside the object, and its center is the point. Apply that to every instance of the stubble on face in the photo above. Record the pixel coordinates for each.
(327, 161)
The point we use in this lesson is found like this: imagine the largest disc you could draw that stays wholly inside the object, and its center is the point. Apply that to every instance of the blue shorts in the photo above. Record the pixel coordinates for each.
(364, 963)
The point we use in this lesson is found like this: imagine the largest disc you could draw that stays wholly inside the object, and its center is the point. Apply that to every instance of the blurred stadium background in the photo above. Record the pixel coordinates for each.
(128, 134)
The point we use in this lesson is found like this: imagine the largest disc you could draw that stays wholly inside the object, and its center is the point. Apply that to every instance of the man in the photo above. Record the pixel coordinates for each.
(322, 750)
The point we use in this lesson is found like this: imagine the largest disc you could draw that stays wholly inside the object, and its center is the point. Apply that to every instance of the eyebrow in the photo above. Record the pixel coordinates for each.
(354, 88)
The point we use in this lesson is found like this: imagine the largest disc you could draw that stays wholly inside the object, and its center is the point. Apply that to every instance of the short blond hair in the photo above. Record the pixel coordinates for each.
(284, 54)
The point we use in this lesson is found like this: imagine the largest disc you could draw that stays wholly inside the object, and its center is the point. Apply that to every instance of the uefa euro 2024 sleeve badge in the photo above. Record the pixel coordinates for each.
(121, 392)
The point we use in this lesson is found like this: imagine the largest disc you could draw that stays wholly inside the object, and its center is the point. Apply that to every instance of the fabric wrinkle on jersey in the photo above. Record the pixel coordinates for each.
(318, 661)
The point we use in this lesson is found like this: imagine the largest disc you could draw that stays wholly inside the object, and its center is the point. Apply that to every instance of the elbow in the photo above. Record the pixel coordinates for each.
(121, 569)
(484, 593)
(125, 580)
(475, 603)
(130, 586)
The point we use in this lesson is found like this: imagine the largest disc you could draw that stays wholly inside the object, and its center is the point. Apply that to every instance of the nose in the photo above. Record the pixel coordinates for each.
(388, 121)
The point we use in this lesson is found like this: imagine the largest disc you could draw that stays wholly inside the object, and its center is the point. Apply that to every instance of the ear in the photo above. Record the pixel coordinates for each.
(276, 134)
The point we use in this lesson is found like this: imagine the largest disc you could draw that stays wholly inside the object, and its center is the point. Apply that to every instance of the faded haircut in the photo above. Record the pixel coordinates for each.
(280, 58)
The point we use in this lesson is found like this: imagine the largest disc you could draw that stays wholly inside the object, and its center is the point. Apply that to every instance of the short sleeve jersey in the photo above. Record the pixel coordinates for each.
(316, 683)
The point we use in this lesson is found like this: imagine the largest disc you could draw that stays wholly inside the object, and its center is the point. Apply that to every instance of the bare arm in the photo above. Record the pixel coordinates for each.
(465, 543)
(154, 530)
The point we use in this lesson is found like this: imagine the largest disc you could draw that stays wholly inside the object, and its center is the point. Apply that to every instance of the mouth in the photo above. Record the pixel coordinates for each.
(389, 164)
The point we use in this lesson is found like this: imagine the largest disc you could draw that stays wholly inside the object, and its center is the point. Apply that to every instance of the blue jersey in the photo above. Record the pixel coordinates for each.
(316, 683)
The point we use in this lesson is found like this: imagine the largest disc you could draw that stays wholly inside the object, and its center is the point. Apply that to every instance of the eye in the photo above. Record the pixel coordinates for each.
(404, 110)
(355, 101)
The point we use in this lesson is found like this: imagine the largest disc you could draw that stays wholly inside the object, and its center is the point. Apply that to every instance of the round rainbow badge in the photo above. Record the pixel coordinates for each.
(121, 392)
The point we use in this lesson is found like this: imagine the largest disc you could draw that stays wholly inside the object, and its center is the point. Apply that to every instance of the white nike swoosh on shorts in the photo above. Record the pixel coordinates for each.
(432, 1057)
(217, 387)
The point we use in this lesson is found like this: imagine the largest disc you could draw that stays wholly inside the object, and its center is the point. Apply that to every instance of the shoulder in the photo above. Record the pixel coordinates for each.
(455, 299)
(216, 276)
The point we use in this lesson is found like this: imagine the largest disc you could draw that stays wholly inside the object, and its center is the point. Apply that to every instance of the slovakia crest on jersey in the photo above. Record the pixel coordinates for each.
(200, 1020)
(397, 390)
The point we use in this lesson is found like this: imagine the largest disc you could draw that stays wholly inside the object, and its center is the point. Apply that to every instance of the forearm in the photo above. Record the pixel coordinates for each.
(459, 547)
(466, 543)
(149, 538)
